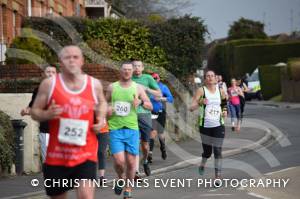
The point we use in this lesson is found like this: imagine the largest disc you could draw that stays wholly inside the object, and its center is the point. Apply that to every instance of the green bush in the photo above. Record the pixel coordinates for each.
(128, 38)
(248, 57)
(183, 40)
(223, 59)
(235, 58)
(99, 47)
(270, 80)
(7, 146)
(29, 43)
(59, 29)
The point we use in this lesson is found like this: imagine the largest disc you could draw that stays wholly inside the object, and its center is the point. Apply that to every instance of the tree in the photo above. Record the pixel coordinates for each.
(246, 29)
(182, 39)
(141, 9)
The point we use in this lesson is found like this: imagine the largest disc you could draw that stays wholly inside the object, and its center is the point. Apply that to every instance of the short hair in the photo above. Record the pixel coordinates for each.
(133, 60)
(48, 65)
(62, 51)
(208, 70)
(126, 62)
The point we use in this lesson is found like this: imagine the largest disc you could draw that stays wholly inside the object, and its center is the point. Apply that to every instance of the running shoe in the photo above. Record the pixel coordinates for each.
(150, 158)
(127, 194)
(201, 170)
(164, 154)
(147, 168)
(118, 190)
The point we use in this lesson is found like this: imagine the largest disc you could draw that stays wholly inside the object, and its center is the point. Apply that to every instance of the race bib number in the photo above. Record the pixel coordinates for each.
(122, 108)
(72, 131)
(234, 92)
(213, 112)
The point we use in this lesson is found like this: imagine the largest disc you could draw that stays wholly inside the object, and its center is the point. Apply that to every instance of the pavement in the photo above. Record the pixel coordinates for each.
(275, 104)
(180, 155)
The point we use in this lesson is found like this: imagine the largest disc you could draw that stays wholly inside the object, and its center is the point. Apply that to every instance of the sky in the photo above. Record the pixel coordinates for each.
(279, 16)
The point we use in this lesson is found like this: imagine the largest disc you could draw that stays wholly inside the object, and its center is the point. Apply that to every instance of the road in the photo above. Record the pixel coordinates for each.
(276, 163)
(287, 121)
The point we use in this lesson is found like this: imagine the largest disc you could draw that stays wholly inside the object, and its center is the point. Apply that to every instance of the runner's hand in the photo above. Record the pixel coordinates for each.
(54, 110)
(25, 111)
(224, 113)
(203, 101)
(99, 125)
(110, 111)
(136, 101)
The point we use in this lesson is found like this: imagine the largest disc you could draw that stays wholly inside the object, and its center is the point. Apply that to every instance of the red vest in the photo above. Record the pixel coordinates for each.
(77, 105)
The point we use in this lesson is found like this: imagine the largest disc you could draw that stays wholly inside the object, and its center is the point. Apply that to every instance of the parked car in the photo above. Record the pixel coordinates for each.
(254, 87)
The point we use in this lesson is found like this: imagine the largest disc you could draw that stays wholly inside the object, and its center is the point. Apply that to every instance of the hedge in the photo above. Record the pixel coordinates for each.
(116, 39)
(7, 146)
(223, 57)
(235, 58)
(270, 80)
(128, 39)
(183, 41)
(248, 57)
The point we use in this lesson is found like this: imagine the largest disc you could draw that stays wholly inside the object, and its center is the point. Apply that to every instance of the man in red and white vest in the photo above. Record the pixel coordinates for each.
(69, 101)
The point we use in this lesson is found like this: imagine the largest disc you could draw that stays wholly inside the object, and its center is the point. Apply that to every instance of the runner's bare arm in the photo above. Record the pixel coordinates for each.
(240, 92)
(108, 99)
(38, 111)
(102, 104)
(156, 93)
(196, 99)
(224, 99)
(144, 98)
(223, 94)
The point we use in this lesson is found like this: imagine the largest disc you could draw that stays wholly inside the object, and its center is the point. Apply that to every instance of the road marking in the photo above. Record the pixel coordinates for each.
(216, 194)
(257, 195)
(26, 195)
(279, 171)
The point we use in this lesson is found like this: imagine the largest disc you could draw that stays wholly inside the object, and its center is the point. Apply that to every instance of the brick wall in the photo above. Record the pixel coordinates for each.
(28, 71)
(38, 8)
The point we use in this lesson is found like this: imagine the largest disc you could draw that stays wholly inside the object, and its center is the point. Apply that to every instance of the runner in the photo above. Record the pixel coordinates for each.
(222, 84)
(245, 89)
(49, 71)
(125, 97)
(234, 93)
(212, 102)
(159, 117)
(103, 139)
(68, 101)
(144, 115)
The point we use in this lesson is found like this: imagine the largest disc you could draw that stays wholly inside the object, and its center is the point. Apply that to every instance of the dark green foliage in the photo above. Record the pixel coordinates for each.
(223, 58)
(7, 146)
(246, 29)
(270, 80)
(182, 39)
(175, 44)
(248, 57)
(128, 39)
(28, 43)
(100, 47)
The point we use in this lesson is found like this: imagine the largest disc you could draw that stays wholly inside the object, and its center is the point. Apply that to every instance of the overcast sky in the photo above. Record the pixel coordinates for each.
(278, 15)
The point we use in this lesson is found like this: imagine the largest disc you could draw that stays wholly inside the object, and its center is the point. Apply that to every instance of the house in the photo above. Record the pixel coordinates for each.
(13, 11)
(102, 8)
